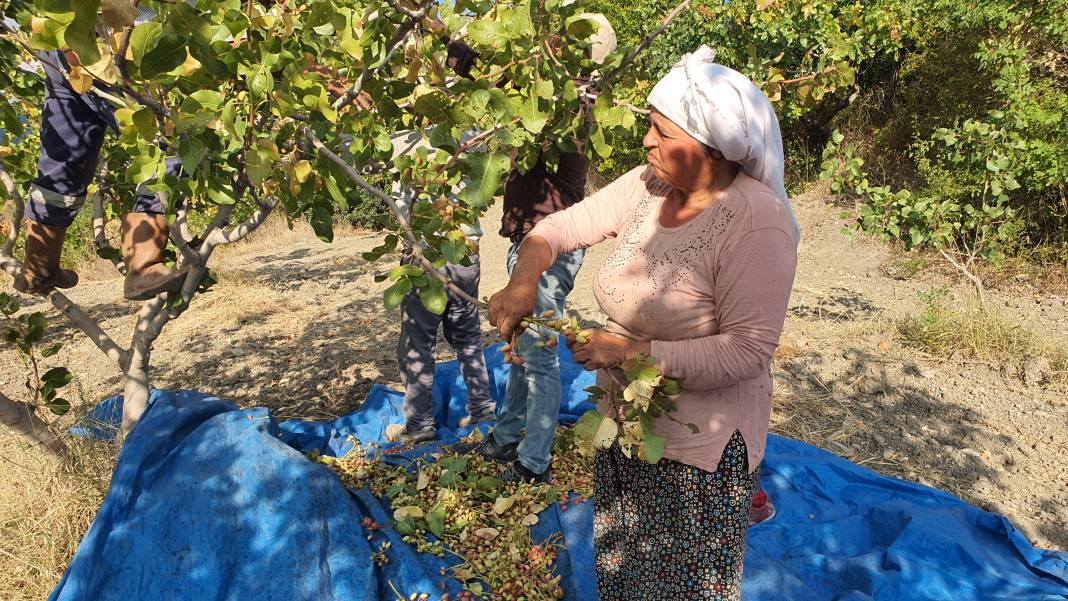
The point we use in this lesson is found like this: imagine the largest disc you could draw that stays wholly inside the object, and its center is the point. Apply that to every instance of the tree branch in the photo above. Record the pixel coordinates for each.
(21, 419)
(398, 41)
(59, 300)
(414, 14)
(18, 211)
(175, 233)
(648, 39)
(99, 223)
(250, 224)
(410, 239)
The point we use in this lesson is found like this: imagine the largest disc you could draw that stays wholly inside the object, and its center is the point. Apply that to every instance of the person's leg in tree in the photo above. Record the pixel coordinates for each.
(72, 133)
(463, 330)
(144, 237)
(73, 127)
(415, 356)
(542, 376)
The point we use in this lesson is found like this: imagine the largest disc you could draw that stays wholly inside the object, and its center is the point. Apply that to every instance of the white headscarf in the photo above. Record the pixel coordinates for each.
(723, 109)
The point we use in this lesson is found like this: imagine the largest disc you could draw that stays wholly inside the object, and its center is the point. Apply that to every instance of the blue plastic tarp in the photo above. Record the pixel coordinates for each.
(209, 501)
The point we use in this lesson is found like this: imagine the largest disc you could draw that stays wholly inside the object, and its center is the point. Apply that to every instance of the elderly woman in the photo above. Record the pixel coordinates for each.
(706, 249)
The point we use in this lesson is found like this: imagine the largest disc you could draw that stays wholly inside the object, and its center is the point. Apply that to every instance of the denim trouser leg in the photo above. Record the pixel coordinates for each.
(463, 330)
(73, 127)
(532, 397)
(418, 338)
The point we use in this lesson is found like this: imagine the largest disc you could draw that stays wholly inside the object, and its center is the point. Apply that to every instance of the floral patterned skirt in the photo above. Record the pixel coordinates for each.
(671, 531)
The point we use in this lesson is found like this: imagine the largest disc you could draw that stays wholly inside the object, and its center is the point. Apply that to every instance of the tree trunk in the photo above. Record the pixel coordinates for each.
(135, 389)
(20, 419)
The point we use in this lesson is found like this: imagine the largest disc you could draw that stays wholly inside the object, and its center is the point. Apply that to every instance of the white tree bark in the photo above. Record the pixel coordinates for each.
(20, 419)
(133, 362)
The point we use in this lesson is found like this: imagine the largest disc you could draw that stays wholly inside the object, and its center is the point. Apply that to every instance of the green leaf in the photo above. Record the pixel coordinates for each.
(434, 298)
(441, 137)
(533, 118)
(455, 464)
(407, 270)
(485, 32)
(51, 350)
(404, 527)
(435, 520)
(59, 406)
(35, 328)
(168, 55)
(488, 483)
(261, 82)
(145, 122)
(653, 449)
(57, 377)
(222, 194)
(606, 433)
(192, 151)
(80, 35)
(435, 106)
(144, 39)
(544, 88)
(587, 425)
(484, 172)
(454, 250)
(396, 293)
(322, 220)
(581, 26)
(449, 478)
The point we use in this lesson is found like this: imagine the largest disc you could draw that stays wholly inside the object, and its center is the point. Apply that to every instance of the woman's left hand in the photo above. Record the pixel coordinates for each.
(602, 349)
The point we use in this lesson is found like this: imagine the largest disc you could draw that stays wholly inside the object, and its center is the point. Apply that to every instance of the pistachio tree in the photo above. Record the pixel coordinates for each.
(287, 105)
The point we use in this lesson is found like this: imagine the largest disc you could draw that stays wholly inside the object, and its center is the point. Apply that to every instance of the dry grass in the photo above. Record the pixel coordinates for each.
(45, 511)
(980, 332)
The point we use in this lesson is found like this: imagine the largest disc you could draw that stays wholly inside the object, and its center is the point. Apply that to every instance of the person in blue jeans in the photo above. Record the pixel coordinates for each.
(532, 397)
(72, 133)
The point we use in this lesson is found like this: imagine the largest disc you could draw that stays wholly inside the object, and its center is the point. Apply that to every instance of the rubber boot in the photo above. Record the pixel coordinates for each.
(144, 236)
(40, 270)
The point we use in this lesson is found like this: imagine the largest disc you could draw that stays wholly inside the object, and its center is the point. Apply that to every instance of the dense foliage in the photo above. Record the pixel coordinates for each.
(240, 91)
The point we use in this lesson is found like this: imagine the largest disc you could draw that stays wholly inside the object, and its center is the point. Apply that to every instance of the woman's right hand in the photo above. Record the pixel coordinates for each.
(510, 306)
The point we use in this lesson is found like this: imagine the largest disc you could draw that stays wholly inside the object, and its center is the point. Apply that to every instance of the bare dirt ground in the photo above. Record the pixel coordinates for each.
(298, 325)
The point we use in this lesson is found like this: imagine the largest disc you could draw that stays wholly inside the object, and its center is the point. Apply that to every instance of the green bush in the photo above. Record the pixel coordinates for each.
(970, 133)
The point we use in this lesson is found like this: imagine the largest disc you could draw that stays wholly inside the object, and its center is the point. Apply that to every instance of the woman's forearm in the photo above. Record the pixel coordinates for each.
(535, 257)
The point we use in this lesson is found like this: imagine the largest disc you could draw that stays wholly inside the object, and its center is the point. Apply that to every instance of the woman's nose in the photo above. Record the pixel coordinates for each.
(649, 141)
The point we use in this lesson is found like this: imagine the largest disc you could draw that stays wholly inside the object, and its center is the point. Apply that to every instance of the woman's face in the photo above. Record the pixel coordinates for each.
(675, 156)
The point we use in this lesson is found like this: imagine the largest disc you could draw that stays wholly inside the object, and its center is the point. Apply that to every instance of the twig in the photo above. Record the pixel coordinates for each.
(786, 82)
(414, 14)
(476, 140)
(100, 221)
(174, 232)
(399, 38)
(411, 242)
(648, 39)
(505, 68)
(21, 419)
(16, 217)
(960, 267)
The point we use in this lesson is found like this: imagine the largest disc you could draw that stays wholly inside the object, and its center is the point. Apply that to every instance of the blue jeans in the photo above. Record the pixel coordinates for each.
(532, 398)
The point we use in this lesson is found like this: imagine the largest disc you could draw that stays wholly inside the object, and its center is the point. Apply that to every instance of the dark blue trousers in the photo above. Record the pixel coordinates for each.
(73, 126)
